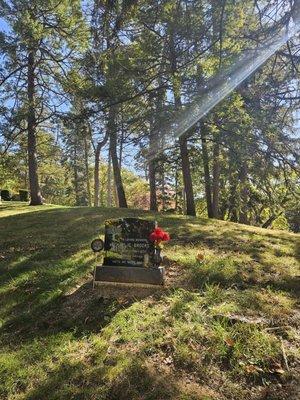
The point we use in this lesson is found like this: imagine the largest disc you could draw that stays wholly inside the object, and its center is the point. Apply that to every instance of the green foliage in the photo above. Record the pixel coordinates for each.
(144, 57)
(8, 167)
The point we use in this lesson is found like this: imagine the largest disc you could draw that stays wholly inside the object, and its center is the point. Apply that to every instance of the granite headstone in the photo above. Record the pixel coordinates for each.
(129, 255)
(127, 241)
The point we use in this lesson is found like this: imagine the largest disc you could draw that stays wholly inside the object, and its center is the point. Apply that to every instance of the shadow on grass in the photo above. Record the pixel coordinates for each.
(42, 256)
(136, 381)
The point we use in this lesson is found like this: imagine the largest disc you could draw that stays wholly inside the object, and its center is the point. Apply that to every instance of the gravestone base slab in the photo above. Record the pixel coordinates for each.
(118, 290)
(150, 276)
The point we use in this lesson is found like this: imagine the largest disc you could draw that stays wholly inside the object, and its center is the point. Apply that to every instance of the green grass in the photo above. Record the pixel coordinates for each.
(232, 300)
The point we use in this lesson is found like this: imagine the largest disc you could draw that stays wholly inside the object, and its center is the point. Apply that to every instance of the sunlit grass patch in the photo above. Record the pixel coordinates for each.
(27, 367)
(225, 270)
(270, 303)
(186, 331)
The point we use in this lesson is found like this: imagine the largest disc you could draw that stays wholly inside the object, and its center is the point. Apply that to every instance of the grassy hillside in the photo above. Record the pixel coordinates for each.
(226, 327)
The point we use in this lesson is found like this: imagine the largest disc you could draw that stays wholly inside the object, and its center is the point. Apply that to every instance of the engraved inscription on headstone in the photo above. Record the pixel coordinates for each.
(127, 241)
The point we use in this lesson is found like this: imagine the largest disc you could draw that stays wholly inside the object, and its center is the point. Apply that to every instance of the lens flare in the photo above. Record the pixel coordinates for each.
(222, 84)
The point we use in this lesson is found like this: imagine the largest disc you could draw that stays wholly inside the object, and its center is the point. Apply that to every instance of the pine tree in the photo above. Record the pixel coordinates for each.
(41, 36)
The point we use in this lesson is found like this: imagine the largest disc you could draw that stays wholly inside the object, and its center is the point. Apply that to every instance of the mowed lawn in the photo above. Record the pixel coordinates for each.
(226, 327)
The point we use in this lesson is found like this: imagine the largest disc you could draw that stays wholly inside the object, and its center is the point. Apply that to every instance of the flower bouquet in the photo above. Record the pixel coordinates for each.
(158, 237)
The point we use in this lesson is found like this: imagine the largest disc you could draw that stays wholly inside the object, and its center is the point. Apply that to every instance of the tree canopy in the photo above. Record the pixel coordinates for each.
(90, 92)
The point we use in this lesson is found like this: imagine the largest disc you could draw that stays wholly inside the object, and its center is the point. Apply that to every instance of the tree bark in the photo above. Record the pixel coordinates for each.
(155, 121)
(243, 219)
(114, 157)
(116, 200)
(96, 175)
(99, 147)
(152, 184)
(152, 166)
(163, 189)
(35, 193)
(233, 194)
(176, 190)
(109, 183)
(76, 175)
(183, 202)
(216, 178)
(206, 174)
(185, 162)
(87, 173)
(121, 144)
(187, 178)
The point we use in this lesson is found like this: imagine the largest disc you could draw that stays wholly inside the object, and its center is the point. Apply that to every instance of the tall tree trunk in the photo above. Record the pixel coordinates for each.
(102, 190)
(206, 173)
(87, 173)
(96, 176)
(183, 202)
(187, 177)
(153, 163)
(218, 8)
(114, 157)
(185, 162)
(216, 178)
(243, 218)
(99, 146)
(155, 121)
(232, 208)
(109, 181)
(25, 178)
(76, 187)
(35, 193)
(116, 200)
(176, 189)
(163, 189)
(152, 184)
(121, 144)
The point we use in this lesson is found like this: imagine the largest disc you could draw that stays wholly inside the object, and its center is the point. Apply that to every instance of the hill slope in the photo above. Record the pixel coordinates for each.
(227, 326)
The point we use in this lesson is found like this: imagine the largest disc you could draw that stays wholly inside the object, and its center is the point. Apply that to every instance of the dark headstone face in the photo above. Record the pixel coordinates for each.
(126, 241)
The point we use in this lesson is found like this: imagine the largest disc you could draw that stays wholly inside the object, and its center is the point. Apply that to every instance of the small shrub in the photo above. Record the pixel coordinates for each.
(15, 197)
(293, 218)
(24, 195)
(5, 195)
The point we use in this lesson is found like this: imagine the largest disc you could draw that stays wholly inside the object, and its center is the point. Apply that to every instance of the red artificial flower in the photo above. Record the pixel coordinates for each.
(158, 235)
